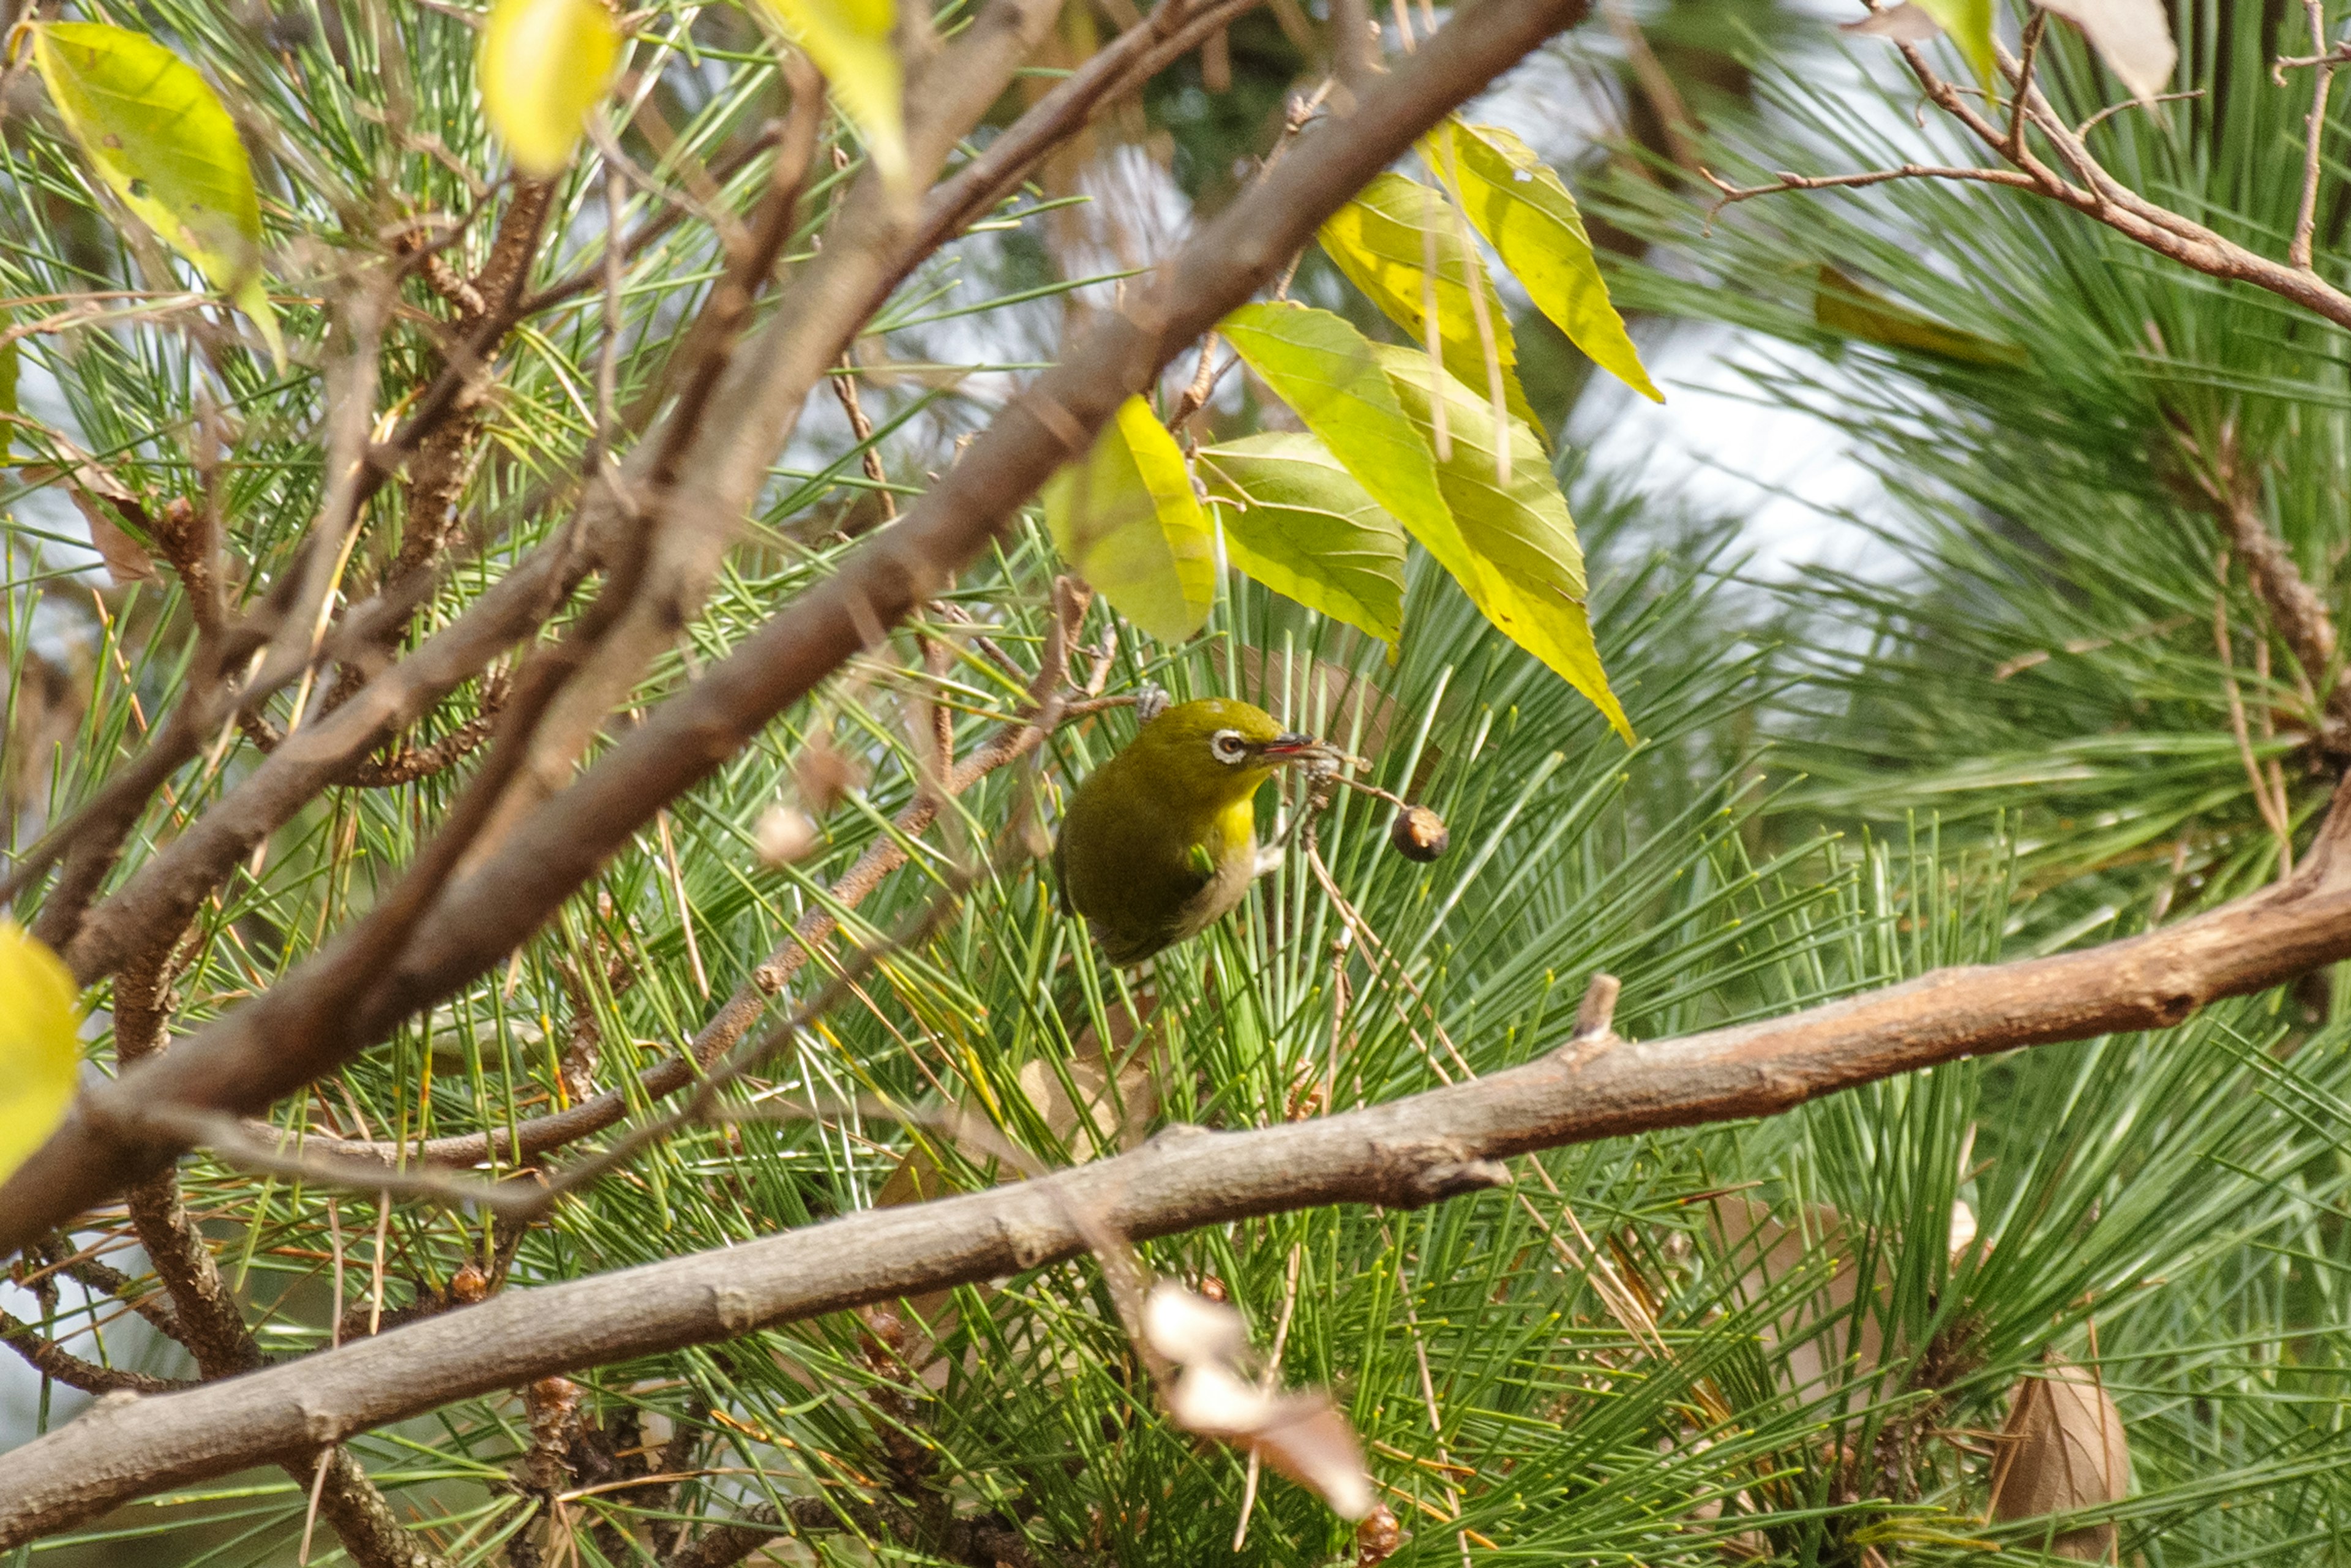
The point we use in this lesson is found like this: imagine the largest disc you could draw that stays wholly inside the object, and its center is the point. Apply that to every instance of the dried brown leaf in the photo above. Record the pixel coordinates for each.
(1300, 1435)
(2062, 1449)
(2132, 37)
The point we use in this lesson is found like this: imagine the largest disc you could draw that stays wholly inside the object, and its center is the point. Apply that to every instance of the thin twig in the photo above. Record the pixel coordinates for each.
(2305, 222)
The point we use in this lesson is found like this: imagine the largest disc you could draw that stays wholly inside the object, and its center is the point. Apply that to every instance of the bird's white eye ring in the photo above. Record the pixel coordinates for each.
(1229, 746)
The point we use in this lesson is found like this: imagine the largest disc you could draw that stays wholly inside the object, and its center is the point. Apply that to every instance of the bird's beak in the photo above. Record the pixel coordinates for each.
(1283, 749)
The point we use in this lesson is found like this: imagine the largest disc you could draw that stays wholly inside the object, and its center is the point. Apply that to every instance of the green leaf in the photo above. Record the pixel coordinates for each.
(1381, 241)
(1513, 549)
(1518, 202)
(1843, 306)
(40, 1045)
(1325, 370)
(848, 41)
(544, 66)
(158, 136)
(1298, 521)
(1126, 517)
(1969, 22)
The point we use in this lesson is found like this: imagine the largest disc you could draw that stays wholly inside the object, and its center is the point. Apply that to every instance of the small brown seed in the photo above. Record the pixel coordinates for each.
(1377, 1537)
(1419, 834)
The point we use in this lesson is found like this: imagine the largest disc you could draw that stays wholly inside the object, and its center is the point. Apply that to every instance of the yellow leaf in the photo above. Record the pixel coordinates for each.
(1969, 22)
(40, 1045)
(1523, 209)
(1382, 241)
(543, 65)
(1512, 548)
(1126, 518)
(1296, 520)
(848, 41)
(158, 136)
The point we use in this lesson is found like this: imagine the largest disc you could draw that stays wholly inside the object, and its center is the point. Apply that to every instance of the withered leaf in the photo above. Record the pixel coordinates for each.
(2062, 1449)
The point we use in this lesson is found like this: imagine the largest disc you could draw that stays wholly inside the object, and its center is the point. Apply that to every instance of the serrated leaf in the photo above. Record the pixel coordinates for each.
(1298, 521)
(158, 136)
(1126, 518)
(1325, 370)
(848, 41)
(1841, 305)
(1518, 201)
(40, 1045)
(543, 65)
(1968, 23)
(1381, 241)
(1512, 549)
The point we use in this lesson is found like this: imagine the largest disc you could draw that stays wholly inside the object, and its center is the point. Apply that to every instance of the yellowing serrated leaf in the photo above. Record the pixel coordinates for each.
(1325, 370)
(1381, 241)
(1126, 517)
(1968, 23)
(1517, 201)
(158, 136)
(1841, 305)
(1512, 549)
(848, 41)
(543, 65)
(1298, 521)
(40, 1045)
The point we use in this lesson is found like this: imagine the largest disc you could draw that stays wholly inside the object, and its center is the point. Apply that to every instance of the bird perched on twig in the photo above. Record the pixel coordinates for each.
(1160, 842)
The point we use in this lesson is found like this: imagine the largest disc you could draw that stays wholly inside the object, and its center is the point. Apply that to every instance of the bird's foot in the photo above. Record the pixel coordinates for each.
(1150, 702)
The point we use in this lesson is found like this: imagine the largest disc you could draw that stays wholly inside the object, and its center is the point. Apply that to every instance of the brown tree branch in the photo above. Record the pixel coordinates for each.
(1410, 1152)
(2301, 617)
(208, 1320)
(767, 979)
(235, 1069)
(829, 310)
(2093, 192)
(51, 1359)
(91, 839)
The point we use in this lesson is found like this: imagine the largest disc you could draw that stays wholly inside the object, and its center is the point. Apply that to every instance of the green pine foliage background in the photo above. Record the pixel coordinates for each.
(2006, 732)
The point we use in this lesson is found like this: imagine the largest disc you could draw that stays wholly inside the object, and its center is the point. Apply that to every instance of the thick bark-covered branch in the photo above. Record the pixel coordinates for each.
(1412, 1151)
(237, 1068)
(825, 309)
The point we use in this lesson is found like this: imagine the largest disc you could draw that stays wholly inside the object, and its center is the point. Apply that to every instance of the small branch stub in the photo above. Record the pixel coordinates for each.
(1595, 1021)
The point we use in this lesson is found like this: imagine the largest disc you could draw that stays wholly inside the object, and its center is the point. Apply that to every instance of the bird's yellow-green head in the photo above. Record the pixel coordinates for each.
(1207, 754)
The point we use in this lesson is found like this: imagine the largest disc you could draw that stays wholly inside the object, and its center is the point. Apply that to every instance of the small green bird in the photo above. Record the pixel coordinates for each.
(1161, 841)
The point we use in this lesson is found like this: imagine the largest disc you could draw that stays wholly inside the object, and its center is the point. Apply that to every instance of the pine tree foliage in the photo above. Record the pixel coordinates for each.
(1787, 1342)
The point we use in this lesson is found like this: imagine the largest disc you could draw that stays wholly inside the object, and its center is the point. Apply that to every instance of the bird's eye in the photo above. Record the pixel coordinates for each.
(1229, 746)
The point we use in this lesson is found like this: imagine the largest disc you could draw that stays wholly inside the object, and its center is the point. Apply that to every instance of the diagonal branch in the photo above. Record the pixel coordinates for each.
(821, 314)
(50, 1359)
(2090, 189)
(233, 1068)
(735, 1017)
(1411, 1152)
(2301, 617)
